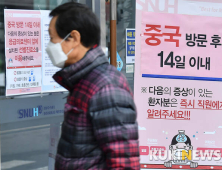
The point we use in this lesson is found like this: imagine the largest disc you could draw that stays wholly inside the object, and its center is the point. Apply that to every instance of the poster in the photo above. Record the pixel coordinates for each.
(130, 46)
(23, 52)
(178, 83)
(48, 69)
(28, 67)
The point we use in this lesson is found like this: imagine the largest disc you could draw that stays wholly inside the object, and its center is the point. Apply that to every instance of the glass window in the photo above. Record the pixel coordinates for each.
(29, 5)
(26, 144)
(125, 19)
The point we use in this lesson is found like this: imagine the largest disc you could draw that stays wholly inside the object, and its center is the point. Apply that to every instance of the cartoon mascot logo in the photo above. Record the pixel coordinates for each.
(181, 151)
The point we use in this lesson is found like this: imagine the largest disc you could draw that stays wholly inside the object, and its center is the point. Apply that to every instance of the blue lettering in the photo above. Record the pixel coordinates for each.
(59, 111)
(30, 113)
(49, 112)
(21, 113)
(49, 107)
(26, 112)
(40, 109)
(35, 111)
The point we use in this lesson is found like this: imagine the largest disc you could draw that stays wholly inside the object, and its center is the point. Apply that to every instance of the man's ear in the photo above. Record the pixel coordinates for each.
(76, 38)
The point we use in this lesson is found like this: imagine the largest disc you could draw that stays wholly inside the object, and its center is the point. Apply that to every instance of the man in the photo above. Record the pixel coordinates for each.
(99, 129)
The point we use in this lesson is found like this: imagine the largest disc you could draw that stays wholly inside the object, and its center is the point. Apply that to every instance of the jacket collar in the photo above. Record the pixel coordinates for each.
(70, 75)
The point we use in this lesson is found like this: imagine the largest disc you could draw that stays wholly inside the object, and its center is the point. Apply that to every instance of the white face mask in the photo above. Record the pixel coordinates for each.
(56, 54)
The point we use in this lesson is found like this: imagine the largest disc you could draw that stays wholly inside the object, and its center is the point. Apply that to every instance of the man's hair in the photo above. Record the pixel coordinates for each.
(76, 16)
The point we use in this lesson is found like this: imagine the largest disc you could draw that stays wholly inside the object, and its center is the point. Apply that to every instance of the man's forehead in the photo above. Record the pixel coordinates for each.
(52, 25)
(53, 20)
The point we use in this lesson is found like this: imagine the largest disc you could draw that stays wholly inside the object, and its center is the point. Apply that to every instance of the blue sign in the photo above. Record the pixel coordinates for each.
(130, 46)
(119, 62)
(130, 33)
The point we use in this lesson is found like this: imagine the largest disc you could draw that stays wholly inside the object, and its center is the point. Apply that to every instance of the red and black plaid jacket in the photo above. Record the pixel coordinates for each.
(99, 130)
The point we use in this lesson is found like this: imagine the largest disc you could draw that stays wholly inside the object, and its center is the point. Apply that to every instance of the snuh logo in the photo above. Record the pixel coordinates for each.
(30, 112)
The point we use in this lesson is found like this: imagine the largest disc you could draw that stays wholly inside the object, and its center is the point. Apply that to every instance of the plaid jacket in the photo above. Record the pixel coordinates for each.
(99, 131)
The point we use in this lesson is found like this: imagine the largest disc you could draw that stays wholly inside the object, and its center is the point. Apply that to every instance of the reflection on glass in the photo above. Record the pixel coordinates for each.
(125, 19)
(22, 4)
